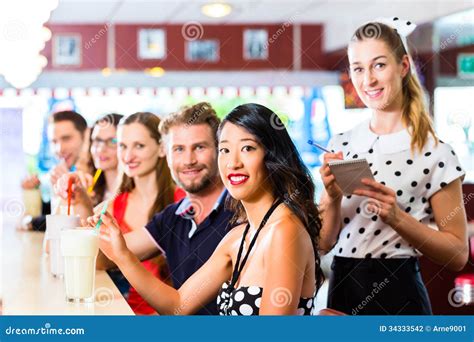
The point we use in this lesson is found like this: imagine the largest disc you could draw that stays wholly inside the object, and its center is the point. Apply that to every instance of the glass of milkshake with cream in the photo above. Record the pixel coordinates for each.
(79, 248)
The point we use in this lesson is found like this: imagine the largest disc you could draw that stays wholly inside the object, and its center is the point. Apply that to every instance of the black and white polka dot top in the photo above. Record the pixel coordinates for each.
(245, 301)
(415, 177)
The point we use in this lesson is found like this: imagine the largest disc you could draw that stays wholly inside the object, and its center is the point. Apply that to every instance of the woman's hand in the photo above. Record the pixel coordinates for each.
(382, 201)
(333, 190)
(80, 182)
(111, 240)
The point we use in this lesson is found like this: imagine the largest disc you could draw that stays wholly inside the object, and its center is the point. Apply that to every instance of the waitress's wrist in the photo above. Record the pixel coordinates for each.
(399, 219)
(334, 199)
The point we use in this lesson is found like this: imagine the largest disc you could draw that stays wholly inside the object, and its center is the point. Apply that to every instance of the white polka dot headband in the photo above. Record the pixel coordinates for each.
(403, 27)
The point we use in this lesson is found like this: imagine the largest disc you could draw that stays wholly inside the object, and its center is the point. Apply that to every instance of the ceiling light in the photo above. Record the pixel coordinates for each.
(23, 37)
(155, 71)
(216, 10)
(106, 72)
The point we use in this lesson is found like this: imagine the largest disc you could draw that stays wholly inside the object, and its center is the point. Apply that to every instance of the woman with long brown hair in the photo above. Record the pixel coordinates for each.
(378, 232)
(145, 188)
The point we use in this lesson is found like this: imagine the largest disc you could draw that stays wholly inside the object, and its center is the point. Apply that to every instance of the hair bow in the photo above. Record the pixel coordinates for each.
(403, 27)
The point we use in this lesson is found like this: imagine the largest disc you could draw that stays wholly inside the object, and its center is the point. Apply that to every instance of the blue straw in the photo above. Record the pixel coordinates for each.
(104, 209)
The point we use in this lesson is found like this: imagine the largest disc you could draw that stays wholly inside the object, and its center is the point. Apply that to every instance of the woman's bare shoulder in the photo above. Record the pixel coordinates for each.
(288, 230)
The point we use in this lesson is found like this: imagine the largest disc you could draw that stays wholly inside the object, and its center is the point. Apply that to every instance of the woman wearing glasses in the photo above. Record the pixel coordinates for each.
(145, 188)
(104, 156)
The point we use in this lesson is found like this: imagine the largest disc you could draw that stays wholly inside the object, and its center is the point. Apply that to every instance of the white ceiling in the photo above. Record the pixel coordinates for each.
(340, 17)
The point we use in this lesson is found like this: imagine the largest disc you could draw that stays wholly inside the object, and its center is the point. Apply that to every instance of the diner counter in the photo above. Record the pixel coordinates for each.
(30, 289)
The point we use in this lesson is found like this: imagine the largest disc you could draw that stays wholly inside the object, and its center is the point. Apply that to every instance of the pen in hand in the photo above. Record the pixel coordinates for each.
(311, 142)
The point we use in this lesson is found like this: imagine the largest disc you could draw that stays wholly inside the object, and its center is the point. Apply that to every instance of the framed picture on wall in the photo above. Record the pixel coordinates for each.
(202, 50)
(67, 50)
(151, 44)
(255, 44)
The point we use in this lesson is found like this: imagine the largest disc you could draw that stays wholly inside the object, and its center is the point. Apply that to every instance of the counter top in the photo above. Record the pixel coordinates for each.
(30, 289)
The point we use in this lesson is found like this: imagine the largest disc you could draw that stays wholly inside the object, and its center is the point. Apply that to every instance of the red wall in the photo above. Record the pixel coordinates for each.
(93, 58)
(312, 56)
(94, 49)
(336, 60)
(231, 49)
(94, 54)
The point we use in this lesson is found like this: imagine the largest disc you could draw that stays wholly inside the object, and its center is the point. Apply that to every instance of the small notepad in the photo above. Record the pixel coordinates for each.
(349, 173)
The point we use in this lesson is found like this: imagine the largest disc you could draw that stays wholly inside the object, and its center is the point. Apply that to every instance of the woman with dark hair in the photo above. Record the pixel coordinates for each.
(268, 264)
(261, 168)
(103, 148)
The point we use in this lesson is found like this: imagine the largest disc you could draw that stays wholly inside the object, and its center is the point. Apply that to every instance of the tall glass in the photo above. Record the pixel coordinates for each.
(32, 201)
(79, 248)
(54, 225)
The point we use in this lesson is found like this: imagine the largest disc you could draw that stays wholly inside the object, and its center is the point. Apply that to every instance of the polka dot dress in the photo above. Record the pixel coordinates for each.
(414, 177)
(245, 301)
